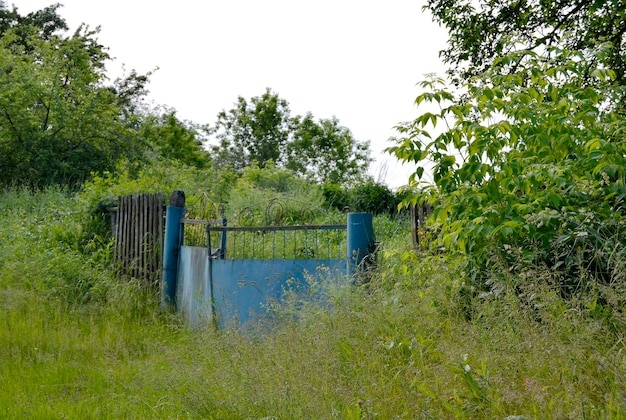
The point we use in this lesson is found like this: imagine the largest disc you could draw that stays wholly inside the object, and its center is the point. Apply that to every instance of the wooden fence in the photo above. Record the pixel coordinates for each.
(419, 212)
(137, 223)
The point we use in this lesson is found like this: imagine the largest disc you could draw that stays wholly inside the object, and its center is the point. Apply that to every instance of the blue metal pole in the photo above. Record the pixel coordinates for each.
(173, 239)
(223, 241)
(360, 241)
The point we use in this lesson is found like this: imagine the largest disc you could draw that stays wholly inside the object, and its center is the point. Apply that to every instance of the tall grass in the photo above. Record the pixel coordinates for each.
(76, 342)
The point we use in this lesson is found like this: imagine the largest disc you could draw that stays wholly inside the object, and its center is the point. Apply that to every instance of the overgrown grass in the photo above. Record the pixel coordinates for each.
(76, 342)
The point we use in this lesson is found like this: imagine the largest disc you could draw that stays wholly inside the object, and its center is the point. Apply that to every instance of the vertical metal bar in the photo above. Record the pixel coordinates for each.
(208, 235)
(274, 245)
(328, 246)
(339, 245)
(243, 248)
(210, 275)
(223, 240)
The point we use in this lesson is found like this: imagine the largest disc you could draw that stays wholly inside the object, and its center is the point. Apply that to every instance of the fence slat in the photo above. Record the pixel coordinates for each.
(138, 236)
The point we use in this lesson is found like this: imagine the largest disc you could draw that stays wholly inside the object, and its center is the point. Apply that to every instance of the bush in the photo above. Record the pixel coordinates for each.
(101, 193)
(369, 196)
(274, 196)
(530, 174)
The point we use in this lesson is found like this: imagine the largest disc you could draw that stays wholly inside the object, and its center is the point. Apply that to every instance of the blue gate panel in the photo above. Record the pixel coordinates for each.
(193, 289)
(243, 288)
(233, 292)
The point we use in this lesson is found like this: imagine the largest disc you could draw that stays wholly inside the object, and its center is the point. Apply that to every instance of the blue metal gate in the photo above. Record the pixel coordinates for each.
(239, 270)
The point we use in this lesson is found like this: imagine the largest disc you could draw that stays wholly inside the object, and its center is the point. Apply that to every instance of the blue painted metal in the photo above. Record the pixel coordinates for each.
(194, 299)
(222, 253)
(242, 289)
(173, 238)
(361, 240)
(233, 292)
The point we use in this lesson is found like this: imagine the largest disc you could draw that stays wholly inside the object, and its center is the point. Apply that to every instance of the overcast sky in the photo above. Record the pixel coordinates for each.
(358, 60)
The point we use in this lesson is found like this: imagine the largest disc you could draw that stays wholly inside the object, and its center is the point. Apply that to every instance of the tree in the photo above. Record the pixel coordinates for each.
(170, 138)
(46, 23)
(254, 132)
(263, 130)
(325, 151)
(58, 123)
(531, 172)
(58, 120)
(529, 169)
(481, 31)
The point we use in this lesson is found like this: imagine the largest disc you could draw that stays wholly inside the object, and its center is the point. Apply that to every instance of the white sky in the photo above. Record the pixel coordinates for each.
(358, 60)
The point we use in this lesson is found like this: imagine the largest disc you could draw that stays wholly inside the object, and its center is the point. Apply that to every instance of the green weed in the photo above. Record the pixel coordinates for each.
(77, 342)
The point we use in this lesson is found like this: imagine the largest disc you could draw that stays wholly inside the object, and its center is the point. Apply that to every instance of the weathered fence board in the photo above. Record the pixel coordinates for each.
(138, 231)
(419, 212)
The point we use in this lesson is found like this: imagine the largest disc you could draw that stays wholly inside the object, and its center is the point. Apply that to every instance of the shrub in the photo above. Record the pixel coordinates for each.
(530, 173)
(100, 194)
(369, 196)
(273, 196)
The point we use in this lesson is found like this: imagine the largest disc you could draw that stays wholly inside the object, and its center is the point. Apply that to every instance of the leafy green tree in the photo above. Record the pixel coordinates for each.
(531, 171)
(481, 31)
(366, 196)
(262, 131)
(254, 132)
(171, 138)
(59, 122)
(527, 149)
(46, 23)
(485, 30)
(326, 152)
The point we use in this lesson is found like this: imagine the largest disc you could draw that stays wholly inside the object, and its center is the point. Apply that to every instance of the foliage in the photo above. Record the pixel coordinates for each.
(46, 23)
(482, 31)
(373, 197)
(531, 169)
(254, 132)
(173, 139)
(273, 196)
(60, 122)
(366, 196)
(263, 130)
(44, 251)
(102, 191)
(326, 152)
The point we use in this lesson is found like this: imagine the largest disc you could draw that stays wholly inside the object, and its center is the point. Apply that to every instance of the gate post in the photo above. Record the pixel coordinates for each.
(173, 239)
(360, 238)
